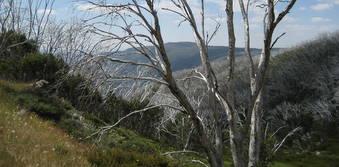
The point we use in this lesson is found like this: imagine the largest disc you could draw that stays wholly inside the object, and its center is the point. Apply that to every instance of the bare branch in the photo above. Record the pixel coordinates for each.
(200, 162)
(109, 127)
(180, 152)
(285, 12)
(278, 146)
(277, 39)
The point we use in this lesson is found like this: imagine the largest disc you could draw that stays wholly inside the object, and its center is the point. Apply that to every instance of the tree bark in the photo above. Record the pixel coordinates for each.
(236, 138)
(255, 133)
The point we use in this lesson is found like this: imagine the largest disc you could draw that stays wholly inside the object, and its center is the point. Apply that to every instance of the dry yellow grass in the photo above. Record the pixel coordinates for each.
(26, 140)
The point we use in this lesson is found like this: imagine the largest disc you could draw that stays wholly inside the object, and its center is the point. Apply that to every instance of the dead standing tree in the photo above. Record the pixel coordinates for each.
(131, 17)
(24, 16)
(258, 74)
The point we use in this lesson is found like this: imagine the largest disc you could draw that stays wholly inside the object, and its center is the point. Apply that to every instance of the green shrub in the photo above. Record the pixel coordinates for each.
(9, 69)
(20, 59)
(80, 93)
(34, 66)
(46, 108)
(144, 123)
(73, 127)
(15, 45)
(129, 140)
(47, 111)
(40, 66)
(125, 158)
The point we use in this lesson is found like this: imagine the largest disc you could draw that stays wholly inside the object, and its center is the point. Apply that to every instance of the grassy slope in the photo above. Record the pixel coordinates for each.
(26, 140)
(29, 140)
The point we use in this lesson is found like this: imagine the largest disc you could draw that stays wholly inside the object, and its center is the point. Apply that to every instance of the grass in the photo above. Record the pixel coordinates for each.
(328, 156)
(27, 140)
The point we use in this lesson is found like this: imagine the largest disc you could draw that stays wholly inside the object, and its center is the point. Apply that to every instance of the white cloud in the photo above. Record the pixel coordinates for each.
(320, 19)
(46, 11)
(87, 7)
(336, 2)
(290, 19)
(195, 6)
(321, 6)
(302, 8)
(314, 29)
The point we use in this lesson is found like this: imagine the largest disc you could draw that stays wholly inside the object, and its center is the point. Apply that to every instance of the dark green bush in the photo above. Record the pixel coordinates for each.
(124, 158)
(44, 107)
(20, 59)
(78, 90)
(10, 69)
(73, 127)
(34, 66)
(39, 66)
(144, 123)
(15, 45)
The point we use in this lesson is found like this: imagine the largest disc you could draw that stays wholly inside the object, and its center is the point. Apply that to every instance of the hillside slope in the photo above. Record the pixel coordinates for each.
(27, 140)
(30, 135)
(302, 91)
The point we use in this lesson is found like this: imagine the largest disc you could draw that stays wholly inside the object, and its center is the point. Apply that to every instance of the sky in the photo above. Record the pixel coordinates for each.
(307, 20)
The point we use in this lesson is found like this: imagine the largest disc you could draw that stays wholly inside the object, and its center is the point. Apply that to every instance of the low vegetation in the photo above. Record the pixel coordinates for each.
(63, 131)
(26, 140)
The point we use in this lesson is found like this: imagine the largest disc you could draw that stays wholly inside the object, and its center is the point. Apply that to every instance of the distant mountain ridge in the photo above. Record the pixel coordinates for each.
(185, 55)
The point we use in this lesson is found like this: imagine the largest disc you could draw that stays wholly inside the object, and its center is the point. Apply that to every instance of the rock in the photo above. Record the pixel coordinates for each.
(317, 153)
(22, 112)
(40, 84)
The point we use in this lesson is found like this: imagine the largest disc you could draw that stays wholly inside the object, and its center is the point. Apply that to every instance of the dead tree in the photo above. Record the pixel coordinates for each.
(25, 16)
(137, 26)
(258, 74)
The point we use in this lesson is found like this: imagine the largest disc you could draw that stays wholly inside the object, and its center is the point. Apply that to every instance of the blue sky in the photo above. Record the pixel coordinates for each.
(307, 20)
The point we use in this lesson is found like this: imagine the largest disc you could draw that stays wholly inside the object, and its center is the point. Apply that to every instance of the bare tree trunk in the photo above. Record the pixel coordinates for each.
(271, 22)
(236, 138)
(247, 43)
(215, 152)
(214, 156)
(255, 133)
